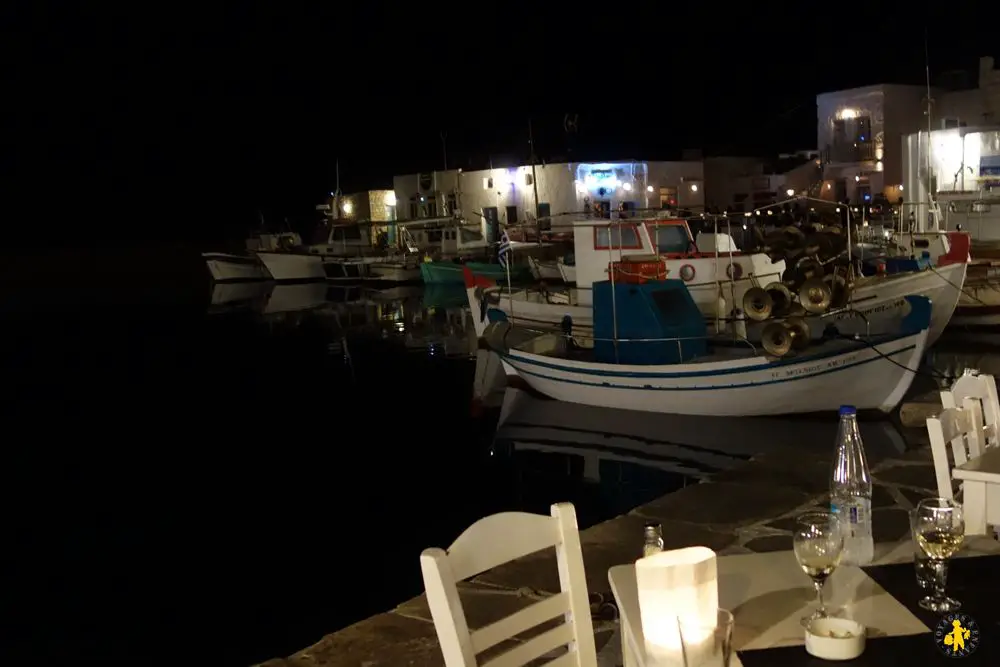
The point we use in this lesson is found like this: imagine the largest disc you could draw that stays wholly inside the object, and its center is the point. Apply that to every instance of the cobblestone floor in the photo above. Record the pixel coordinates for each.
(748, 509)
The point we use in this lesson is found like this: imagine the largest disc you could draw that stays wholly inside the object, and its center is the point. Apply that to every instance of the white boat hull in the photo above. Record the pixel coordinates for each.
(870, 378)
(287, 266)
(941, 284)
(229, 268)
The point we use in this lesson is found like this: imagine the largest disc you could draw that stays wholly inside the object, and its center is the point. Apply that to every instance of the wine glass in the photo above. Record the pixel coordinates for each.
(818, 544)
(939, 529)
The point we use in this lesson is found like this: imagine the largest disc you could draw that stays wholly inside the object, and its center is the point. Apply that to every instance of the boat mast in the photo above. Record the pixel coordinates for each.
(931, 206)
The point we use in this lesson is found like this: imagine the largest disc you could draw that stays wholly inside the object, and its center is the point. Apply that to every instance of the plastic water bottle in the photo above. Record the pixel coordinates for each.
(851, 491)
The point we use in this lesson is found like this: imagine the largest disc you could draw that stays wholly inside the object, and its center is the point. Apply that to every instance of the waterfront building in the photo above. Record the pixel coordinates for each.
(861, 131)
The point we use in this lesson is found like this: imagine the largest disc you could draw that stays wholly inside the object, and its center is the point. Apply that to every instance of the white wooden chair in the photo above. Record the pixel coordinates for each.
(961, 429)
(495, 540)
(984, 389)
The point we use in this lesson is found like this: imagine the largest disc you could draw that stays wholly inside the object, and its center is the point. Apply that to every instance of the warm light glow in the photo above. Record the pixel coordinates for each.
(900, 187)
(649, 188)
(390, 199)
(857, 179)
(847, 114)
(678, 588)
(694, 187)
(790, 192)
(829, 185)
(348, 207)
(878, 166)
(879, 153)
(627, 187)
(837, 210)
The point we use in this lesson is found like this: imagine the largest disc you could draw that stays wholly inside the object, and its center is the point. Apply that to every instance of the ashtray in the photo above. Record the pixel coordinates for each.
(835, 639)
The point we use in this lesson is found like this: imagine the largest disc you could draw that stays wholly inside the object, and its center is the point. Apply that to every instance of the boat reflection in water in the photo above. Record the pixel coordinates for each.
(694, 447)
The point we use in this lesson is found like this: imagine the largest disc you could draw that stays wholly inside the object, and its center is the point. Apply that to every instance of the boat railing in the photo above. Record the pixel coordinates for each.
(576, 336)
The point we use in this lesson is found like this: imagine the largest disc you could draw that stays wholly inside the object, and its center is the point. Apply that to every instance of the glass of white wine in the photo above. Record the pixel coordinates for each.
(939, 528)
(818, 544)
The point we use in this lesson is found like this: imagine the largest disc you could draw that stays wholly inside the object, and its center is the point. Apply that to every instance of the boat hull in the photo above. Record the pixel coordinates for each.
(868, 377)
(942, 285)
(396, 273)
(289, 267)
(439, 273)
(232, 268)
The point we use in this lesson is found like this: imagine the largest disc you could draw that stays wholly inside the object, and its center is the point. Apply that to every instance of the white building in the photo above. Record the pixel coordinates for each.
(511, 195)
(860, 132)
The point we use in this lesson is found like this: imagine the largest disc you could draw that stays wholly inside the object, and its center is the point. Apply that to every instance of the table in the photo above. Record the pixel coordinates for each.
(768, 595)
(981, 491)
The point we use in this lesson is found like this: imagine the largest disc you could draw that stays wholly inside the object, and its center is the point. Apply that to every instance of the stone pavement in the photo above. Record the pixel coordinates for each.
(748, 509)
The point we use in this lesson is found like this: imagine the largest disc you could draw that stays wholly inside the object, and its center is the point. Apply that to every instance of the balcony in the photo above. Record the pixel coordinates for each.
(849, 153)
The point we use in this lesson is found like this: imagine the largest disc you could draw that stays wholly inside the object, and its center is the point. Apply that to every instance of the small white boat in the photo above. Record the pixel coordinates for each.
(226, 267)
(544, 269)
(659, 360)
(290, 266)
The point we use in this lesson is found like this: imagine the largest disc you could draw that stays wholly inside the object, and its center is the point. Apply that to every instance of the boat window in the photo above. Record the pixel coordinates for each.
(625, 237)
(470, 236)
(669, 238)
(352, 233)
(434, 236)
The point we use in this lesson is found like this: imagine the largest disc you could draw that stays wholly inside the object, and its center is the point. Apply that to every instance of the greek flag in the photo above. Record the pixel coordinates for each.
(503, 250)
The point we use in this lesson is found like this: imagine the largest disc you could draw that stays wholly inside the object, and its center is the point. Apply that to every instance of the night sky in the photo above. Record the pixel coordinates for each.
(185, 122)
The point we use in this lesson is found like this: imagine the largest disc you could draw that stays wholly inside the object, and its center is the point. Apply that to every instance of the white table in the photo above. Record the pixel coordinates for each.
(768, 595)
(980, 491)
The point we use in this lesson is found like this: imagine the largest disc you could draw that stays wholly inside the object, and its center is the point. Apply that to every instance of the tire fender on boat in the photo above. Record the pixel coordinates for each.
(687, 273)
(734, 271)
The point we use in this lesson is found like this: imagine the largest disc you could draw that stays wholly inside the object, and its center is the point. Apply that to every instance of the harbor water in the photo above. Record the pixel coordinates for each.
(228, 478)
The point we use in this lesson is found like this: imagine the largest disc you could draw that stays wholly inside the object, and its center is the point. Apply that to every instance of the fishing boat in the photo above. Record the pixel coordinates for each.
(727, 284)
(231, 267)
(651, 351)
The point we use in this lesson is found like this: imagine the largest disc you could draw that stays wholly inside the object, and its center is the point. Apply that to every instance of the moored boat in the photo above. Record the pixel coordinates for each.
(292, 266)
(651, 352)
(444, 272)
(226, 267)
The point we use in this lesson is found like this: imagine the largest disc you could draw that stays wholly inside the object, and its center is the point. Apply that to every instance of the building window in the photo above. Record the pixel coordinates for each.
(952, 123)
(544, 210)
(430, 207)
(624, 237)
(511, 215)
(452, 204)
(414, 208)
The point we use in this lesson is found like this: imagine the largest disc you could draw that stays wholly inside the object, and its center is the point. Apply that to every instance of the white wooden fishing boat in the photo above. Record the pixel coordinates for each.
(716, 272)
(660, 360)
(226, 267)
(292, 266)
(880, 297)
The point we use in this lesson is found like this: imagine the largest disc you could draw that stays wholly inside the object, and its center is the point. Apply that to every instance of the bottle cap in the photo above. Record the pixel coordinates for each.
(848, 410)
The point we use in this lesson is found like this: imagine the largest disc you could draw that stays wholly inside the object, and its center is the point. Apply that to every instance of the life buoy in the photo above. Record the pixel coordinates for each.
(687, 273)
(734, 271)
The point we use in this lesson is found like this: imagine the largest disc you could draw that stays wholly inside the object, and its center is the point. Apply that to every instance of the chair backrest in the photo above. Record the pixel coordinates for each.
(962, 429)
(984, 389)
(495, 540)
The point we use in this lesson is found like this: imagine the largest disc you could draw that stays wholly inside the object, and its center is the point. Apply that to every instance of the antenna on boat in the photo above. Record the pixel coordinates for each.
(931, 206)
(534, 178)
(335, 214)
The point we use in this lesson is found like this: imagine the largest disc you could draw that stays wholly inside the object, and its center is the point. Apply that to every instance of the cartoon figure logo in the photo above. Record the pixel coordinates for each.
(957, 635)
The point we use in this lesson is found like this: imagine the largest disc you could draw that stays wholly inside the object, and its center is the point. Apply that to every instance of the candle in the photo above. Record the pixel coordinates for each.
(678, 604)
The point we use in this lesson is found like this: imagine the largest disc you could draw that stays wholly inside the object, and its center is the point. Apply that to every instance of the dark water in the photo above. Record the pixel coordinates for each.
(233, 487)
